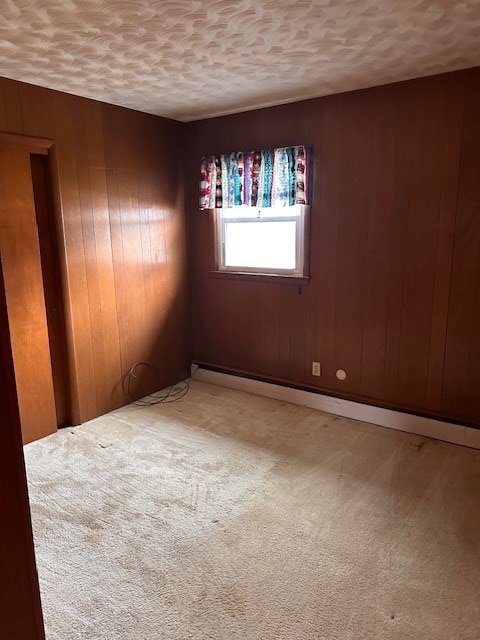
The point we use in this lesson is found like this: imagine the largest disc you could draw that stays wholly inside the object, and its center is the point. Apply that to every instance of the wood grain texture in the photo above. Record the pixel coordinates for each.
(20, 249)
(52, 286)
(20, 608)
(118, 193)
(461, 389)
(393, 290)
(393, 296)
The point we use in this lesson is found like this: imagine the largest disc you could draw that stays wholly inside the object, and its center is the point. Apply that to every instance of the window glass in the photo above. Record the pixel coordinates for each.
(261, 240)
(269, 245)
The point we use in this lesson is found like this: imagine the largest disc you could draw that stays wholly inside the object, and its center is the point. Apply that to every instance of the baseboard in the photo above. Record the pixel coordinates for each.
(446, 431)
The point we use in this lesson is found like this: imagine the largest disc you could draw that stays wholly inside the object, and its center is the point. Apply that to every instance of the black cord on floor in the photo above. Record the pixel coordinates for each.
(172, 394)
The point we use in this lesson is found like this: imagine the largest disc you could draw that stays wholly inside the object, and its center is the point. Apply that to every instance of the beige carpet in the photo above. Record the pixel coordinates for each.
(229, 516)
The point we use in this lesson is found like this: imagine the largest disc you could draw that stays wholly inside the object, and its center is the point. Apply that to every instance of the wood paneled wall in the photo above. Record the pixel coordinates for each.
(121, 225)
(394, 293)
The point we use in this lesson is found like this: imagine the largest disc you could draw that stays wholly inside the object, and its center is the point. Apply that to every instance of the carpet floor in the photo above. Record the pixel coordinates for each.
(229, 516)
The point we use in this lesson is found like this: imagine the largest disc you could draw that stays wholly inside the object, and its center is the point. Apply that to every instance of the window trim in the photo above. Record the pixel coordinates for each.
(299, 275)
(259, 277)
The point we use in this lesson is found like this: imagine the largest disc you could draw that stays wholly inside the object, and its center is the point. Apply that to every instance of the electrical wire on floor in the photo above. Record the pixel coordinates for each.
(174, 392)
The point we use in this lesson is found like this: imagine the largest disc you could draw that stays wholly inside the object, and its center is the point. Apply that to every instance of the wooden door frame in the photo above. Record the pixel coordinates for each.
(35, 145)
(47, 147)
(20, 606)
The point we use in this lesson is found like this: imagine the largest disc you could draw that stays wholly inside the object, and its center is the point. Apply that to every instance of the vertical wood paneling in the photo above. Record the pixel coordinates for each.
(118, 180)
(379, 232)
(3, 109)
(87, 136)
(36, 110)
(12, 106)
(268, 328)
(162, 180)
(79, 330)
(383, 226)
(226, 336)
(422, 238)
(472, 395)
(202, 295)
(354, 202)
(298, 333)
(119, 269)
(323, 241)
(109, 346)
(315, 131)
(284, 335)
(462, 357)
(405, 95)
(132, 261)
(233, 321)
(446, 233)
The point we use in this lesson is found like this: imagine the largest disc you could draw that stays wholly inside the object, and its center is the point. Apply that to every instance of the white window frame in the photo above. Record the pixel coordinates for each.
(300, 219)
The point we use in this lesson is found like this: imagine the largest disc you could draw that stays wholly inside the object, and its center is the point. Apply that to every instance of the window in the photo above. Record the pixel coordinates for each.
(261, 201)
(262, 240)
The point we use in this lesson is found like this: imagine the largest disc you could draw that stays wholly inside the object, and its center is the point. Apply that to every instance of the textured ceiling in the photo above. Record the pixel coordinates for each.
(190, 59)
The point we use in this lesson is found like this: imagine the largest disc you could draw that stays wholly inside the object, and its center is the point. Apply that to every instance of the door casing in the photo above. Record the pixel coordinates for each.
(28, 323)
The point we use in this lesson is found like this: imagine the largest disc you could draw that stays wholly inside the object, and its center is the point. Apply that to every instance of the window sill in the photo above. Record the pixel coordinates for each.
(259, 277)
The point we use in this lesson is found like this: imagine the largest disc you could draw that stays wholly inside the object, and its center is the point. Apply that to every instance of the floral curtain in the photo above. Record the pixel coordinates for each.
(269, 178)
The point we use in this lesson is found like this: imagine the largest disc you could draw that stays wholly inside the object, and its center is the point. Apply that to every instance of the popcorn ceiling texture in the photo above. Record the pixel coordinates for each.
(190, 59)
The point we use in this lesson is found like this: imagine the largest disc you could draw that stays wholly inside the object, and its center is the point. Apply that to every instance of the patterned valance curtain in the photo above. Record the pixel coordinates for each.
(269, 178)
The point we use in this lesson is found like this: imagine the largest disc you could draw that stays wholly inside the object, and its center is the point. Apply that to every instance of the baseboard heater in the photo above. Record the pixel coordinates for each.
(389, 418)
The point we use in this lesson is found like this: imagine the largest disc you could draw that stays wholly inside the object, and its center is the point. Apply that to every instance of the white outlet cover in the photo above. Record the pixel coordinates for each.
(341, 375)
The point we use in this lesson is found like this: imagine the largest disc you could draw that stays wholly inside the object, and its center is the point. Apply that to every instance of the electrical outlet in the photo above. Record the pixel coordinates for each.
(316, 369)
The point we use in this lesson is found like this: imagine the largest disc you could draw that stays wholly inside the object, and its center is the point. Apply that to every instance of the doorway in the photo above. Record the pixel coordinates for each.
(52, 283)
(29, 247)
